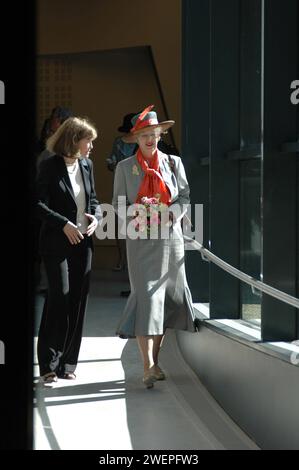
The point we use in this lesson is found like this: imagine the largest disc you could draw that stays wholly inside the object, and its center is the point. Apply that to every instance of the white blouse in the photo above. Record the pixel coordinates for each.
(79, 192)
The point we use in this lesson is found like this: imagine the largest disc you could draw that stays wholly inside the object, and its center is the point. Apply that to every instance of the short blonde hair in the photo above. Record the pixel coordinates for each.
(151, 130)
(65, 141)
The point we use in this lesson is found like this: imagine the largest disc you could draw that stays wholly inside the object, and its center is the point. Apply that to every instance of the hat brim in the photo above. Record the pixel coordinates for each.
(131, 137)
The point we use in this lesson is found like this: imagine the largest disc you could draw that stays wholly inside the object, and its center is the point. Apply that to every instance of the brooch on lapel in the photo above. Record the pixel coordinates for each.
(135, 170)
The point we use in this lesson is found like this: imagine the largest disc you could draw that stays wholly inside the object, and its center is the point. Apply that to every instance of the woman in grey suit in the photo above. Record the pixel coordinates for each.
(160, 297)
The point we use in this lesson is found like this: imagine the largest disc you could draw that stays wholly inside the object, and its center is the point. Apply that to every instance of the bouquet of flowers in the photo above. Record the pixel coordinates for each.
(151, 214)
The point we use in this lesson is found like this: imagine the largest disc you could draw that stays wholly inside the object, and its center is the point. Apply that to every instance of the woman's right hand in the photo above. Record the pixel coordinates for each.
(73, 233)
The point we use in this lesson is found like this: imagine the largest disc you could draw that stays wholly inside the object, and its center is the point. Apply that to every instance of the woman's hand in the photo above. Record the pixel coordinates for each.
(73, 233)
(93, 224)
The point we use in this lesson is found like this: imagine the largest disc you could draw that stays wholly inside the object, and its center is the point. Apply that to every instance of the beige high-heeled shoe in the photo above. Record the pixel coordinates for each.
(149, 377)
(159, 374)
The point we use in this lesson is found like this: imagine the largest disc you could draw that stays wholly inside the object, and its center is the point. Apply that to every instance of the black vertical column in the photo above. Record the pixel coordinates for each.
(195, 127)
(250, 152)
(224, 173)
(279, 321)
(17, 150)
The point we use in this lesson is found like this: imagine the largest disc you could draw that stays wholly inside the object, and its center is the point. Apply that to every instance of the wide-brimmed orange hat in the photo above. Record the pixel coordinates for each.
(145, 120)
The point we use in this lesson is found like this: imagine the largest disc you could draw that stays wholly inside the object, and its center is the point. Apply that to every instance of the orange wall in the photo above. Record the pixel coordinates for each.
(65, 26)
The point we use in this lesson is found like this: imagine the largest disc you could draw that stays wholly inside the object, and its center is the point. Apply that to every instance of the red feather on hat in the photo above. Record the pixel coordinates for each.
(141, 115)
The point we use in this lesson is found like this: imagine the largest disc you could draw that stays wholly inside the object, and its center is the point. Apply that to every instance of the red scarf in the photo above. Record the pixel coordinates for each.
(152, 183)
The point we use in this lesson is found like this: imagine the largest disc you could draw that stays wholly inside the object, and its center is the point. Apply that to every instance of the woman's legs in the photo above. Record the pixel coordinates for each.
(79, 263)
(156, 349)
(146, 345)
(150, 347)
(54, 322)
(61, 326)
(158, 339)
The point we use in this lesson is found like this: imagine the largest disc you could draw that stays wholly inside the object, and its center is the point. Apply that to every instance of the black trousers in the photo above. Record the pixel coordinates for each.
(60, 331)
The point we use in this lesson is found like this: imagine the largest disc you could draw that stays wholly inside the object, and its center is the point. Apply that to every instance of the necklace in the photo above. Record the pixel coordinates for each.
(72, 167)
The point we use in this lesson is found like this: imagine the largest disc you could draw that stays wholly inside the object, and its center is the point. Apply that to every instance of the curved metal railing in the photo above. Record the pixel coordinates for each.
(254, 283)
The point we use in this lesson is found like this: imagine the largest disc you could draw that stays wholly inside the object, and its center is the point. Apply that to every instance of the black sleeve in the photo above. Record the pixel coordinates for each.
(44, 178)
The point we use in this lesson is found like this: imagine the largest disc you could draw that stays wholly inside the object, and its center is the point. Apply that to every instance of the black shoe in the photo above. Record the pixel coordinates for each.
(125, 293)
(69, 376)
(49, 379)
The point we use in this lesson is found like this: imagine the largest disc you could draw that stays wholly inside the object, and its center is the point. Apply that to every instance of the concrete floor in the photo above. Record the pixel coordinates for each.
(107, 407)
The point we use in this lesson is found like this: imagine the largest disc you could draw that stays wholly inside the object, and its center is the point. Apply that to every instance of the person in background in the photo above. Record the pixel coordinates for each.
(160, 297)
(58, 115)
(122, 146)
(69, 211)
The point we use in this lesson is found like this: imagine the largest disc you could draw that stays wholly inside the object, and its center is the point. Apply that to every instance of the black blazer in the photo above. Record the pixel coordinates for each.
(56, 202)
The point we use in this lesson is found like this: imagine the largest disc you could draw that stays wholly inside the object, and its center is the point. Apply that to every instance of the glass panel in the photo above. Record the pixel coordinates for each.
(250, 236)
(297, 226)
(250, 142)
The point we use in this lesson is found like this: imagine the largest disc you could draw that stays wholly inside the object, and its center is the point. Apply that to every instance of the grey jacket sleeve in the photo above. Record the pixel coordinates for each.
(95, 206)
(183, 197)
(120, 200)
(183, 185)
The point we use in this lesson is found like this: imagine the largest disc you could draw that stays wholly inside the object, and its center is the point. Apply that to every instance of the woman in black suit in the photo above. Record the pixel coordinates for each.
(69, 211)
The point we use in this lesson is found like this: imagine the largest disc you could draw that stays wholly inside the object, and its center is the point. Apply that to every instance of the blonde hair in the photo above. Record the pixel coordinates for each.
(65, 141)
(156, 130)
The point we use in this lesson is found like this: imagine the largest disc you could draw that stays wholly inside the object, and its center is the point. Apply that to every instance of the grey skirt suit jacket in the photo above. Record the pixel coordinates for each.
(160, 297)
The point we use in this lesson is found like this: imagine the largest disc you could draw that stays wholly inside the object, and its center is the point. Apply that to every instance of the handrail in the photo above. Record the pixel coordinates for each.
(259, 285)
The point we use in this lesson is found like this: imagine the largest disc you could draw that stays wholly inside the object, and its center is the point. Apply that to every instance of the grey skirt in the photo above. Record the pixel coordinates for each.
(160, 297)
